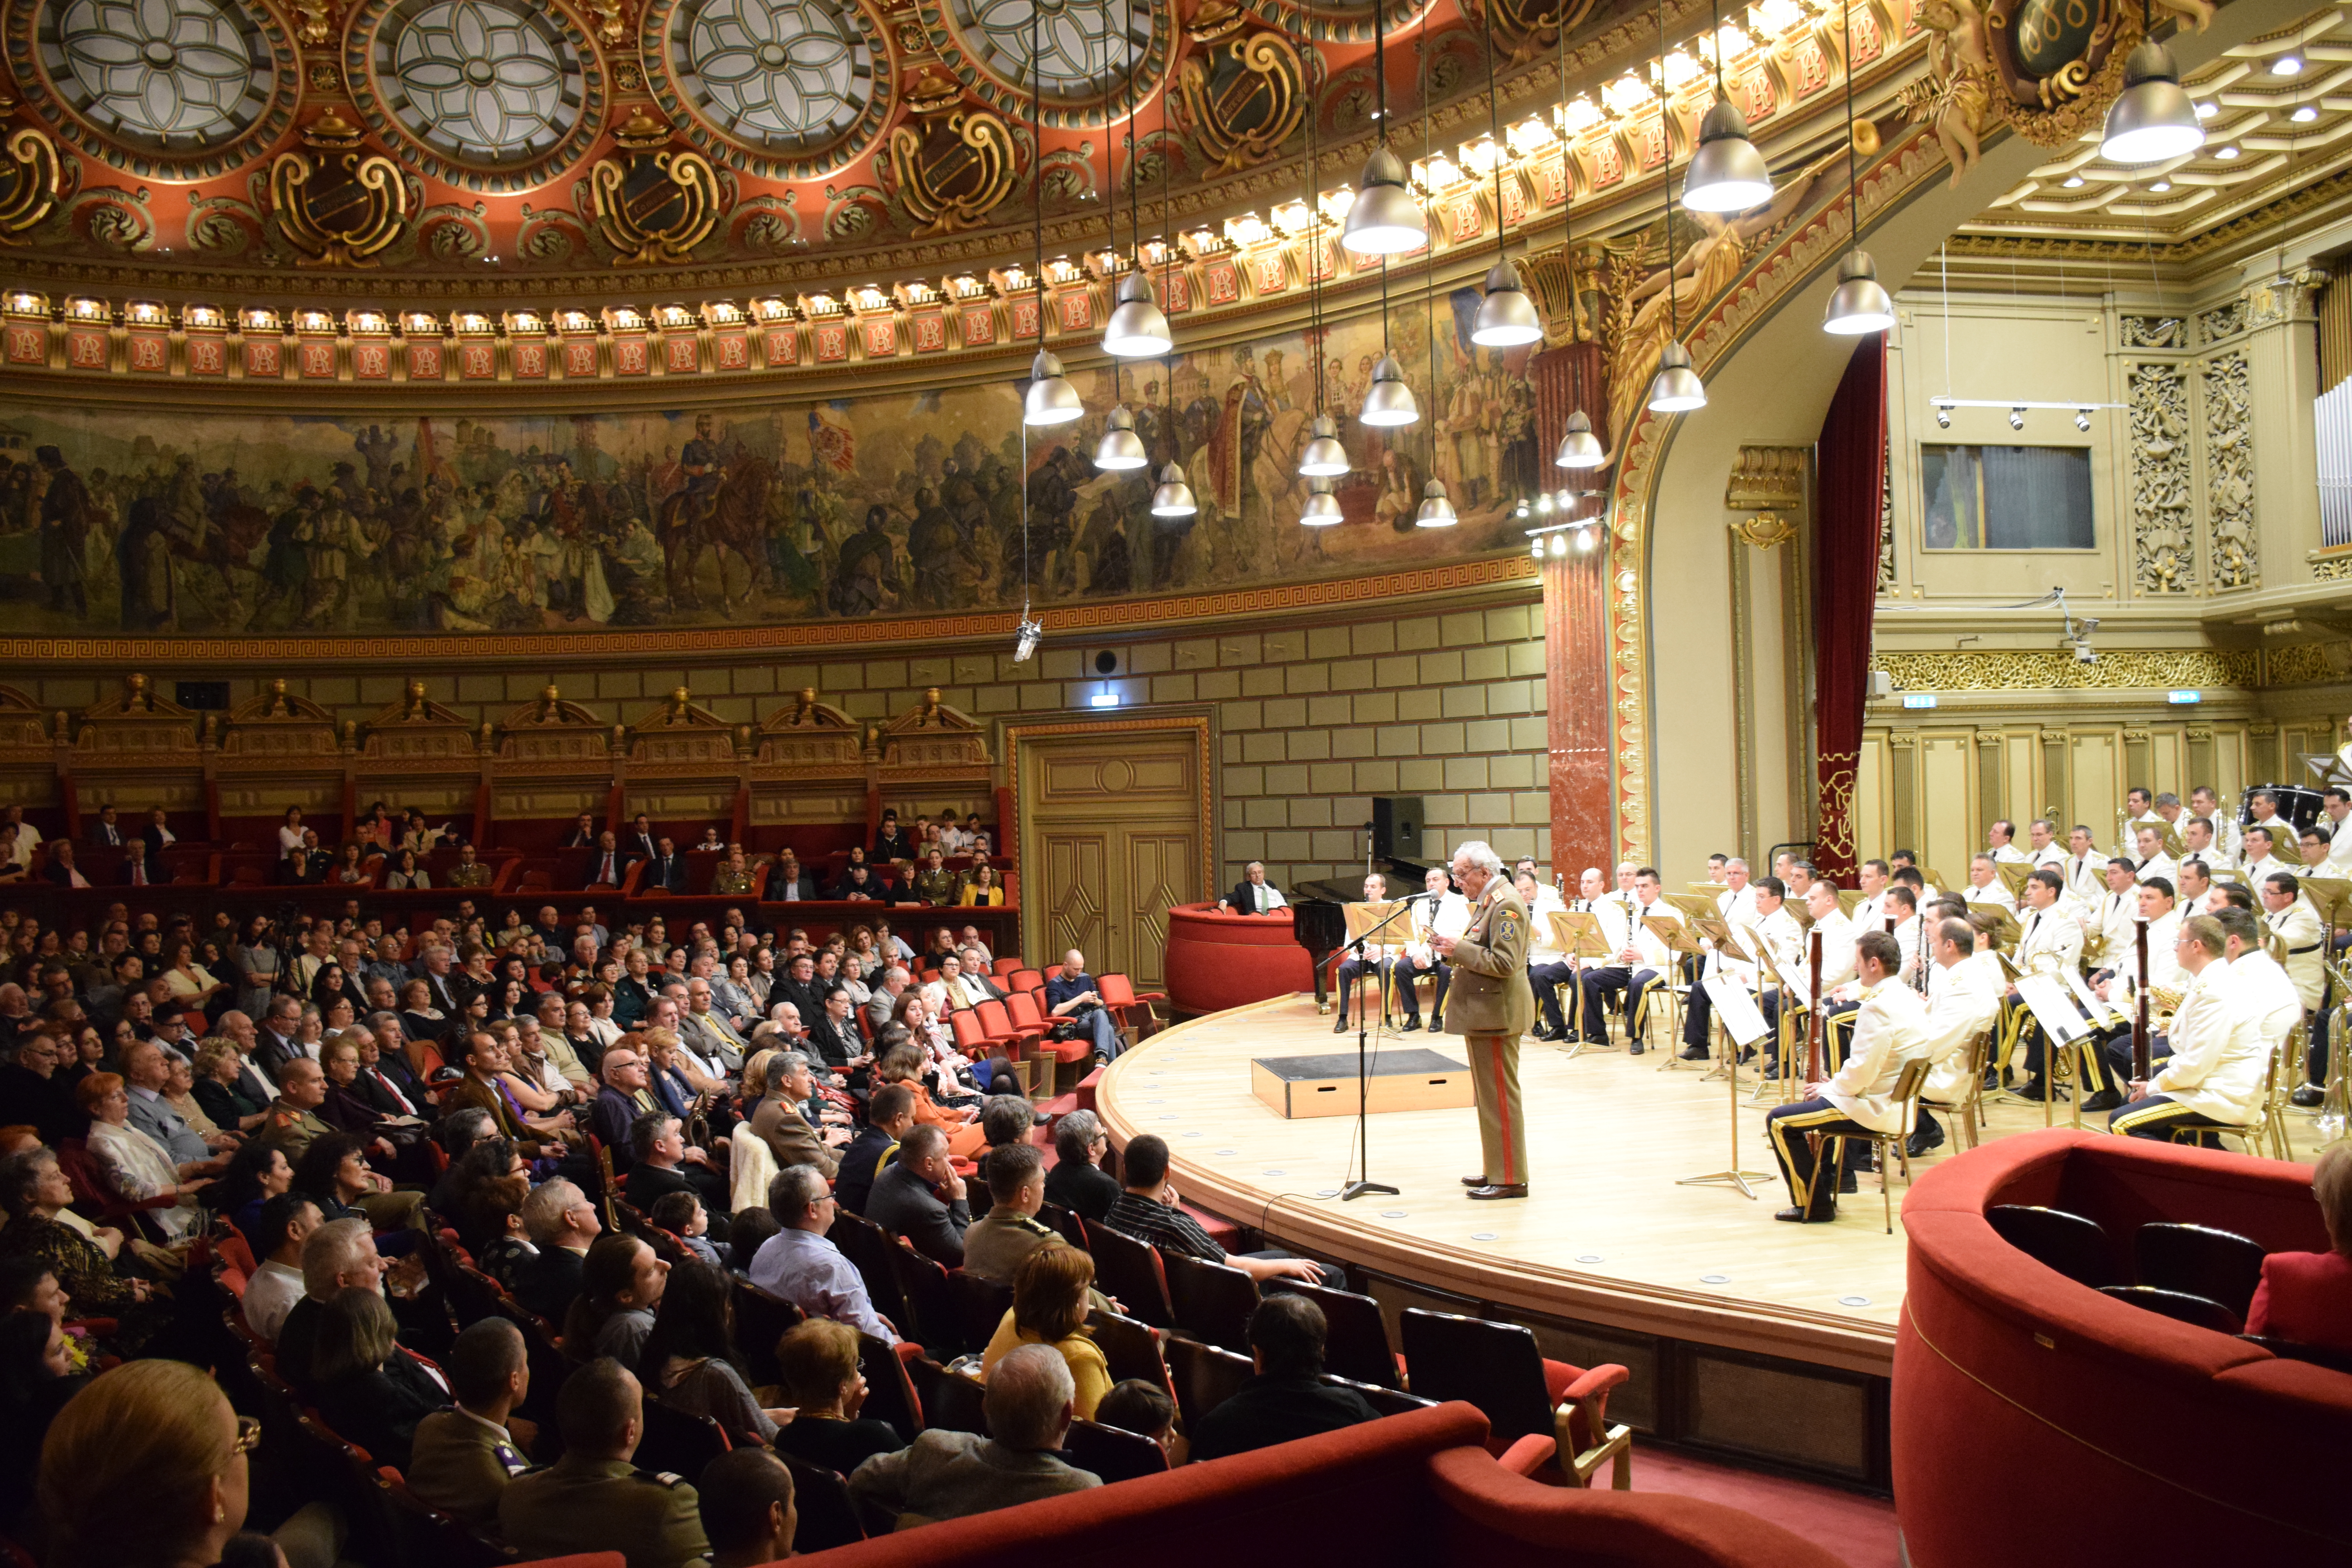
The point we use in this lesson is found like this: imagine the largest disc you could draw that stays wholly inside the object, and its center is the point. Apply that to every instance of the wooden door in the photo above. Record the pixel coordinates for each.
(1114, 825)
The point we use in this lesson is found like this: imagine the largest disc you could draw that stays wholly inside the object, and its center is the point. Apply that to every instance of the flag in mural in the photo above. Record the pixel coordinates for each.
(832, 442)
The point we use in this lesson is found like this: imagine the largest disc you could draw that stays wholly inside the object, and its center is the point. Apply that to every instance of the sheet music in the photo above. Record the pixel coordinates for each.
(2101, 1013)
(1741, 1019)
(2053, 1008)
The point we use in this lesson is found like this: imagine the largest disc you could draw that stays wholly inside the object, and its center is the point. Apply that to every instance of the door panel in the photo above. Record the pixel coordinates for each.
(1076, 916)
(1162, 870)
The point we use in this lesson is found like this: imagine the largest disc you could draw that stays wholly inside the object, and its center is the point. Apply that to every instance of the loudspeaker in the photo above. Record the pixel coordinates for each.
(1396, 826)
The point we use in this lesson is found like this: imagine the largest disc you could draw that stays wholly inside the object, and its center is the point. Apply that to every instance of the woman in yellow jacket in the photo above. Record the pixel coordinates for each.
(1049, 1308)
(982, 888)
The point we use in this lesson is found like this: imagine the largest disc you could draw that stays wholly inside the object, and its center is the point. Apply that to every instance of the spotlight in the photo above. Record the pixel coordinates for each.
(1520, 510)
(2072, 182)
(2226, 153)
(1559, 545)
(2085, 654)
(1585, 538)
(2160, 187)
(2082, 419)
(1543, 503)
(2304, 115)
(1943, 418)
(2207, 110)
(2017, 418)
(1535, 548)
(2287, 64)
(1024, 641)
(2153, 119)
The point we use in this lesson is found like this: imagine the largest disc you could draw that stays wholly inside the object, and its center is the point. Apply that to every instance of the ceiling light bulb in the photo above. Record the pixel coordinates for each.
(1580, 448)
(2152, 119)
(2287, 64)
(1385, 220)
(1321, 508)
(1727, 175)
(1174, 497)
(1137, 328)
(1676, 389)
(1507, 318)
(2226, 153)
(1559, 545)
(1051, 400)
(1543, 504)
(2074, 182)
(1323, 456)
(1121, 448)
(1585, 538)
(1389, 401)
(1535, 547)
(1858, 304)
(2082, 419)
(2304, 115)
(2207, 109)
(1436, 511)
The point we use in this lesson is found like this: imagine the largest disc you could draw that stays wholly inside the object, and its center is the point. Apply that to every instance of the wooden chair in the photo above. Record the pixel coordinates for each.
(980, 1306)
(1065, 1224)
(1884, 1146)
(1497, 1368)
(821, 1498)
(2075, 1246)
(1131, 1348)
(1129, 1269)
(889, 1394)
(1967, 1112)
(2199, 1261)
(1206, 1377)
(1211, 1302)
(1113, 1453)
(1356, 1337)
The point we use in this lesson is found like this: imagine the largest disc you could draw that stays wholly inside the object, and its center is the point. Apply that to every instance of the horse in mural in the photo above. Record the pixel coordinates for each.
(733, 519)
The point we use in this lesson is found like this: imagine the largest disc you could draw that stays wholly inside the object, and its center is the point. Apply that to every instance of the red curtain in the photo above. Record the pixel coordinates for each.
(1849, 503)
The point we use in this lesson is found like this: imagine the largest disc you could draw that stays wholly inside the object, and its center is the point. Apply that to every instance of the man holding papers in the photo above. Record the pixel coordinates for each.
(1774, 932)
(1890, 1029)
(1961, 1005)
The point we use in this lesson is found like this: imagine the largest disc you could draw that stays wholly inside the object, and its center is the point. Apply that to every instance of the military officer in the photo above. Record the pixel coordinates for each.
(2220, 1051)
(1490, 1006)
(935, 884)
(468, 872)
(593, 1498)
(735, 876)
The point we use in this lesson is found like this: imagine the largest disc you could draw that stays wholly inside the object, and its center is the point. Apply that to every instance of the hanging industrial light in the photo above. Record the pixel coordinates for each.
(1174, 497)
(1121, 448)
(1677, 388)
(1727, 175)
(1385, 220)
(1321, 508)
(1137, 328)
(1436, 511)
(1858, 304)
(1580, 448)
(2153, 119)
(1050, 399)
(1389, 401)
(1507, 318)
(1323, 456)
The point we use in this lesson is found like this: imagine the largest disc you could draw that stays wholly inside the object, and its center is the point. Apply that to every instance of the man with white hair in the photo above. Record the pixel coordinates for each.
(1491, 1006)
(1030, 1404)
(1253, 894)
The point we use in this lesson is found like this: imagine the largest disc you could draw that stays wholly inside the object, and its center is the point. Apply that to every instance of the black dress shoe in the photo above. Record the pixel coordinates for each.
(1500, 1190)
(1340, 1026)
(1794, 1217)
(2030, 1090)
(1636, 1048)
(1477, 1182)
(2305, 1095)
(1694, 1052)
(1846, 1183)
(1436, 1023)
(1411, 1026)
(2105, 1100)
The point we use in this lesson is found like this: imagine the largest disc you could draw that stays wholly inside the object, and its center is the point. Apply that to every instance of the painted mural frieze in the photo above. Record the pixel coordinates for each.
(2162, 486)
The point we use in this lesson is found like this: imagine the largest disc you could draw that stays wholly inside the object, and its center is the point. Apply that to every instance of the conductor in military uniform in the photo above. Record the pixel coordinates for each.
(593, 1498)
(1489, 1004)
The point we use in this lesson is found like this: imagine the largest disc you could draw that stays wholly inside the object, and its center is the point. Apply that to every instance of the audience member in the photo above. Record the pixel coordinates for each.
(818, 1361)
(1050, 1297)
(1148, 1209)
(1077, 1181)
(782, 1120)
(462, 1459)
(1137, 1407)
(747, 1508)
(369, 1389)
(339, 1256)
(42, 1225)
(36, 1378)
(888, 1115)
(145, 1468)
(997, 1243)
(950, 1475)
(921, 1198)
(562, 1224)
(620, 1284)
(2306, 1296)
(661, 1162)
(799, 1265)
(593, 1498)
(286, 1223)
(1286, 1397)
(690, 1362)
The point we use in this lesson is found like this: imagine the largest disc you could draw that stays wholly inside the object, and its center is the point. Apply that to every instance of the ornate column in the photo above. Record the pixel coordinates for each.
(1577, 715)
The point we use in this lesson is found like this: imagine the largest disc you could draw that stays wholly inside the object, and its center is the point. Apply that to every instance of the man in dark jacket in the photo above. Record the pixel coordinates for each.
(1289, 1397)
(921, 1198)
(888, 1117)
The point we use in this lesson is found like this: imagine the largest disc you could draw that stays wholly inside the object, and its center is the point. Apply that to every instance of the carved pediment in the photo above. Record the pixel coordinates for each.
(135, 723)
(807, 733)
(551, 729)
(277, 726)
(933, 735)
(23, 725)
(418, 729)
(682, 731)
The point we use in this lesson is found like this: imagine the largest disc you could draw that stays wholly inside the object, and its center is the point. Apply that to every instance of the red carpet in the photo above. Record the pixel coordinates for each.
(1859, 1529)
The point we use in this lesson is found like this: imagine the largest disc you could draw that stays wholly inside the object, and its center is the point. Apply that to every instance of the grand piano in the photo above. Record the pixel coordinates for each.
(1319, 924)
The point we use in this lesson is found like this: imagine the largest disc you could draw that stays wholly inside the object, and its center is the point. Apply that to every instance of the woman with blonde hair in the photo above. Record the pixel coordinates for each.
(1050, 1297)
(2305, 1298)
(136, 1163)
(145, 1468)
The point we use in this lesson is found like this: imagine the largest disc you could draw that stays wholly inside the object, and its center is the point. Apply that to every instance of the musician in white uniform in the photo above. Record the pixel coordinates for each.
(1901, 907)
(2042, 843)
(1365, 978)
(2262, 845)
(1547, 966)
(2294, 923)
(2265, 811)
(2197, 842)
(2196, 894)
(2086, 868)
(1904, 861)
(1768, 926)
(2051, 943)
(2118, 985)
(2000, 842)
(1638, 968)
(1869, 911)
(1444, 912)
(2153, 860)
(1890, 1029)
(2221, 1053)
(2339, 831)
(1736, 903)
(1985, 885)
(2106, 930)
(1962, 1003)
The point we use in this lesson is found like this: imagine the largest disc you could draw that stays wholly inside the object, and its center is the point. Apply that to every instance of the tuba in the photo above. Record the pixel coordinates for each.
(2336, 1098)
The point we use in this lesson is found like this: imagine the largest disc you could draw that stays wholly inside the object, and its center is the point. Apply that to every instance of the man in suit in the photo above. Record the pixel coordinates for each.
(562, 1223)
(624, 1098)
(156, 837)
(1287, 1398)
(660, 1161)
(593, 1498)
(106, 833)
(667, 870)
(888, 1117)
(1490, 1006)
(1253, 894)
(606, 864)
(274, 1044)
(462, 1459)
(964, 977)
(857, 886)
(642, 842)
(921, 1198)
(60, 868)
(433, 968)
(706, 1034)
(583, 833)
(789, 881)
(1030, 1404)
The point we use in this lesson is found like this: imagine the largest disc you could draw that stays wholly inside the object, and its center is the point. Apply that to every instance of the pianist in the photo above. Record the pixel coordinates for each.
(1253, 894)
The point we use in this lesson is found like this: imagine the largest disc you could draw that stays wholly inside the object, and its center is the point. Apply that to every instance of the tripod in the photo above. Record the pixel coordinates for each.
(1364, 1184)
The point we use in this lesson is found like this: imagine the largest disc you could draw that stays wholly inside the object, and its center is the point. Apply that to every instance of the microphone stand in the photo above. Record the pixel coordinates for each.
(1364, 1184)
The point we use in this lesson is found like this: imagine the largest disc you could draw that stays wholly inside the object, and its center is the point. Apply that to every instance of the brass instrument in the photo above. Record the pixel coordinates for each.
(2336, 1099)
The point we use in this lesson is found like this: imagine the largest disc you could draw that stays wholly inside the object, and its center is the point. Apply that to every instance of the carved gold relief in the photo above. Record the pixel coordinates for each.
(654, 204)
(338, 206)
(34, 179)
(2163, 557)
(1243, 98)
(1529, 27)
(2230, 471)
(2058, 670)
(953, 169)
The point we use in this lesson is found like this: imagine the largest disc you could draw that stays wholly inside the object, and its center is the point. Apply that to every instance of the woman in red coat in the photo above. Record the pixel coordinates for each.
(2306, 1296)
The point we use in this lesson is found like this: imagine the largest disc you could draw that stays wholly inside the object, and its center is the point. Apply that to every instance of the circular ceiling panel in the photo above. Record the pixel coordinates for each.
(173, 89)
(1076, 56)
(488, 94)
(789, 88)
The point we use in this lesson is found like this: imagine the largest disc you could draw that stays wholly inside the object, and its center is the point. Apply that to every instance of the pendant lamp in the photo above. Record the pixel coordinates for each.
(1858, 304)
(2153, 119)
(1436, 511)
(1321, 508)
(1121, 448)
(1676, 388)
(1137, 328)
(1174, 497)
(1389, 401)
(1727, 175)
(1050, 399)
(1580, 448)
(1324, 457)
(1507, 318)
(1385, 220)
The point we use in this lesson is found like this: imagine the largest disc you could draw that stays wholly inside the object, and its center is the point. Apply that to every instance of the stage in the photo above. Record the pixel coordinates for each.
(1607, 1238)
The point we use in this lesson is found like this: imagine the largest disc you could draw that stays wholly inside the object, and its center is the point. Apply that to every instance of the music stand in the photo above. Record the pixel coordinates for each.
(1681, 938)
(1733, 1176)
(1576, 933)
(1365, 921)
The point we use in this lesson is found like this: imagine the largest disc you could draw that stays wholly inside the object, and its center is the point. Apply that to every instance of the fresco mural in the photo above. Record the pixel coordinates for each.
(118, 520)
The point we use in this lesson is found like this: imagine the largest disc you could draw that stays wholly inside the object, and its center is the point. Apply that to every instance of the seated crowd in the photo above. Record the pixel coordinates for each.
(415, 1169)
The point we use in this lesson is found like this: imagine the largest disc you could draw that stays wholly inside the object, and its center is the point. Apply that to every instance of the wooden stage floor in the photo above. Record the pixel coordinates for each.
(1607, 1236)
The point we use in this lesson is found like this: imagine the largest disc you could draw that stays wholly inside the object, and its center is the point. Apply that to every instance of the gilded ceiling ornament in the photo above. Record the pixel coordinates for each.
(790, 89)
(1955, 98)
(1089, 55)
(1526, 28)
(2057, 65)
(1244, 98)
(654, 204)
(611, 21)
(31, 182)
(488, 95)
(337, 205)
(952, 169)
(318, 26)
